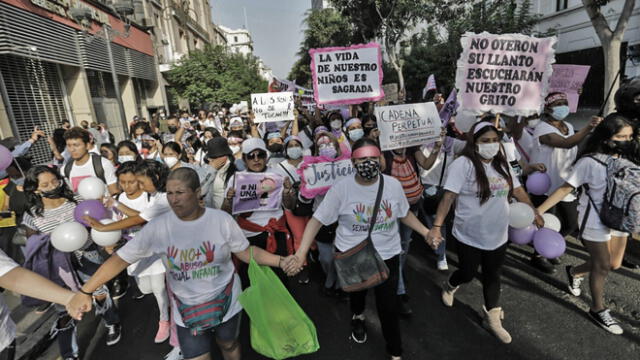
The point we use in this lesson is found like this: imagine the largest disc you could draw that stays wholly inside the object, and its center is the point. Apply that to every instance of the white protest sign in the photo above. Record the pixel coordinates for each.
(275, 106)
(408, 125)
(347, 75)
(506, 74)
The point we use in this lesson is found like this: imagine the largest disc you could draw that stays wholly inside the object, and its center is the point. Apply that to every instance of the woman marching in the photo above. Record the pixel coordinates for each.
(613, 137)
(481, 182)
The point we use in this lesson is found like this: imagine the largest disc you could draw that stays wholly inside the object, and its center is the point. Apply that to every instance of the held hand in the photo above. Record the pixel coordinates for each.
(537, 167)
(108, 202)
(433, 238)
(595, 120)
(78, 305)
(231, 193)
(290, 265)
(95, 224)
(539, 220)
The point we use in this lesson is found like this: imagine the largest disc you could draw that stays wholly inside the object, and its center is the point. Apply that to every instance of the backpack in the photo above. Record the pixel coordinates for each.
(45, 260)
(97, 167)
(621, 204)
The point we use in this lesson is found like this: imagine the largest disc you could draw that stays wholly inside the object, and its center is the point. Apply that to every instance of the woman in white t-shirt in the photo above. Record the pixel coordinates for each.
(350, 202)
(613, 137)
(482, 183)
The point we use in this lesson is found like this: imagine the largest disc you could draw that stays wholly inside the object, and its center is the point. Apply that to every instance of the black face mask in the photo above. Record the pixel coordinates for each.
(173, 129)
(622, 147)
(53, 194)
(367, 130)
(276, 148)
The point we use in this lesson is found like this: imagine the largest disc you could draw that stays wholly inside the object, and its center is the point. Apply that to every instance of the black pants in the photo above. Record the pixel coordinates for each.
(567, 213)
(470, 258)
(9, 352)
(387, 306)
(260, 241)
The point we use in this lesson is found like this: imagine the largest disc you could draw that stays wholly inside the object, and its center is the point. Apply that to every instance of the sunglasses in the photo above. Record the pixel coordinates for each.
(257, 156)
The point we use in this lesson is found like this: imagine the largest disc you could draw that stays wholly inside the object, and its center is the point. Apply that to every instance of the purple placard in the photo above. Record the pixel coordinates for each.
(569, 80)
(368, 87)
(257, 192)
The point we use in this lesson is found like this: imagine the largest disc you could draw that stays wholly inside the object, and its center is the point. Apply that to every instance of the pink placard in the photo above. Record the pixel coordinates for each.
(347, 75)
(569, 80)
(506, 74)
(319, 173)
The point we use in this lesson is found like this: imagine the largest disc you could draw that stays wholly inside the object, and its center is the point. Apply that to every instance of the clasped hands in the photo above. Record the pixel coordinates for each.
(78, 305)
(291, 265)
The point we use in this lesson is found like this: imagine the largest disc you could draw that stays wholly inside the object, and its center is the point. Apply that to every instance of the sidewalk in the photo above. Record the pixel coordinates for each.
(32, 335)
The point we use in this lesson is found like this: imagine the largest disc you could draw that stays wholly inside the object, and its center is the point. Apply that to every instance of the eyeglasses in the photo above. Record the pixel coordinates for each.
(260, 155)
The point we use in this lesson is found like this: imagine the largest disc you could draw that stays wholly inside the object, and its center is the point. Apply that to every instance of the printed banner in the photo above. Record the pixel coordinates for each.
(318, 174)
(569, 79)
(276, 106)
(347, 75)
(408, 125)
(506, 74)
(257, 192)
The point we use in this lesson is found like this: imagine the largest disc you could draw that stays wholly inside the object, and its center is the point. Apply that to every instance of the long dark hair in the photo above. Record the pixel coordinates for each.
(35, 207)
(499, 162)
(156, 171)
(600, 140)
(131, 146)
(177, 149)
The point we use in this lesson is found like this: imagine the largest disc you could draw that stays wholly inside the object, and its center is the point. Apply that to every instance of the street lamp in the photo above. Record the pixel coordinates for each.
(106, 32)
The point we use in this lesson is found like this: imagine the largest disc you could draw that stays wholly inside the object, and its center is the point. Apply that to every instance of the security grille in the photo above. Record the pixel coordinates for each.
(36, 98)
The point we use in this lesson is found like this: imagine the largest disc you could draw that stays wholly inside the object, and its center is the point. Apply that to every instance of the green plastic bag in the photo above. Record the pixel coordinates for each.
(279, 327)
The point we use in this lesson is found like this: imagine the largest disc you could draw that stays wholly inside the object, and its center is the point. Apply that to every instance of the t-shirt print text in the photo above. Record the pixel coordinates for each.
(192, 263)
(363, 213)
(498, 185)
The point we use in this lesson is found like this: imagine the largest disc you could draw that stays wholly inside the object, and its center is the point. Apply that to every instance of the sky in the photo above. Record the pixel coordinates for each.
(275, 25)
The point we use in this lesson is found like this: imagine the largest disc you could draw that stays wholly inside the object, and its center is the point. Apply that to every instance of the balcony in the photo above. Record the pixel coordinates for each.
(183, 18)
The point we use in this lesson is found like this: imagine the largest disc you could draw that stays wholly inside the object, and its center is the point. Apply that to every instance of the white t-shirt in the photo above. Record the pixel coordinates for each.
(589, 171)
(432, 175)
(80, 172)
(197, 255)
(527, 144)
(158, 206)
(481, 226)
(352, 204)
(291, 171)
(7, 326)
(557, 160)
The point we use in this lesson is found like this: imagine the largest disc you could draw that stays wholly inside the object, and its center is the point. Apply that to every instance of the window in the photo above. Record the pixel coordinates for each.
(561, 5)
(235, 39)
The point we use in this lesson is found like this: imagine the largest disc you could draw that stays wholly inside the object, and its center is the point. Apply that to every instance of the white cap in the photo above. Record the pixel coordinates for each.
(252, 144)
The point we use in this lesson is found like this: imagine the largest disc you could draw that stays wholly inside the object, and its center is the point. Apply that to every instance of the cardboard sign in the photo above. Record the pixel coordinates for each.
(347, 75)
(569, 79)
(318, 174)
(274, 106)
(257, 192)
(506, 74)
(408, 125)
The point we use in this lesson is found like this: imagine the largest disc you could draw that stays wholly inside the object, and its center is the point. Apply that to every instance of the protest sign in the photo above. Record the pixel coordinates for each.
(506, 74)
(407, 125)
(273, 106)
(347, 75)
(318, 174)
(569, 79)
(257, 192)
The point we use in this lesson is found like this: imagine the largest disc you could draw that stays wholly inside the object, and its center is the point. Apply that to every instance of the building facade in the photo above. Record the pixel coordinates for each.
(238, 40)
(55, 67)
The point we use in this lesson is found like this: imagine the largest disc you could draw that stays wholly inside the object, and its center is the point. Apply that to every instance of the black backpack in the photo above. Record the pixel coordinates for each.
(97, 167)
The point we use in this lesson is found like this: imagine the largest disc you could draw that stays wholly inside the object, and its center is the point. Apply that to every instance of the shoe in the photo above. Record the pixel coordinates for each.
(303, 278)
(606, 321)
(113, 334)
(404, 308)
(174, 354)
(396, 357)
(447, 293)
(43, 308)
(556, 261)
(164, 330)
(442, 265)
(542, 264)
(493, 322)
(574, 282)
(630, 265)
(358, 330)
(118, 289)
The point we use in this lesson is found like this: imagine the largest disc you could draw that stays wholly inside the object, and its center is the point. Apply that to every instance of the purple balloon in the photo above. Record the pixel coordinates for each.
(93, 208)
(522, 236)
(5, 157)
(548, 243)
(346, 114)
(538, 183)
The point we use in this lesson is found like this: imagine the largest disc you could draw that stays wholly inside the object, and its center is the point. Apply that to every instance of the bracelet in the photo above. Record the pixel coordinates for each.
(84, 292)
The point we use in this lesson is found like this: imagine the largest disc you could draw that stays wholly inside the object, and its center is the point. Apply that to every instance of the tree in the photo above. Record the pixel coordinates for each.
(324, 28)
(216, 75)
(611, 41)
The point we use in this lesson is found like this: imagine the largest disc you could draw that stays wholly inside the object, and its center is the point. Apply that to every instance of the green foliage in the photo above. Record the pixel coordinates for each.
(215, 75)
(324, 28)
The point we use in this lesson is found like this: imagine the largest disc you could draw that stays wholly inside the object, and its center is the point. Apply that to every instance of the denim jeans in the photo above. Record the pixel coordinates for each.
(325, 257)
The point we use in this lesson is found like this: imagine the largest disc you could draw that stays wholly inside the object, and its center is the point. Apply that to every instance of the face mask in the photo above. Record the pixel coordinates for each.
(328, 151)
(234, 148)
(275, 148)
(488, 151)
(560, 112)
(294, 152)
(356, 134)
(336, 124)
(533, 123)
(368, 169)
(125, 158)
(170, 161)
(53, 194)
(367, 130)
(173, 129)
(621, 147)
(19, 181)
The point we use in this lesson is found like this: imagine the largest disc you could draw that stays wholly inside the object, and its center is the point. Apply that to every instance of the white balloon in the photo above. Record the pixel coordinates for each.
(91, 188)
(69, 236)
(106, 238)
(521, 215)
(551, 222)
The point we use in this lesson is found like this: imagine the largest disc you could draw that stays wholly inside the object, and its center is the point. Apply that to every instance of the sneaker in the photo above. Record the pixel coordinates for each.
(118, 289)
(630, 264)
(542, 264)
(574, 282)
(358, 330)
(174, 354)
(447, 293)
(404, 308)
(606, 321)
(442, 265)
(303, 278)
(164, 330)
(113, 334)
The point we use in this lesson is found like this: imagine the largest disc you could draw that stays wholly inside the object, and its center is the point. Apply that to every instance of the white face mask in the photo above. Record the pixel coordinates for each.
(336, 124)
(234, 149)
(533, 123)
(125, 158)
(294, 152)
(170, 161)
(488, 151)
